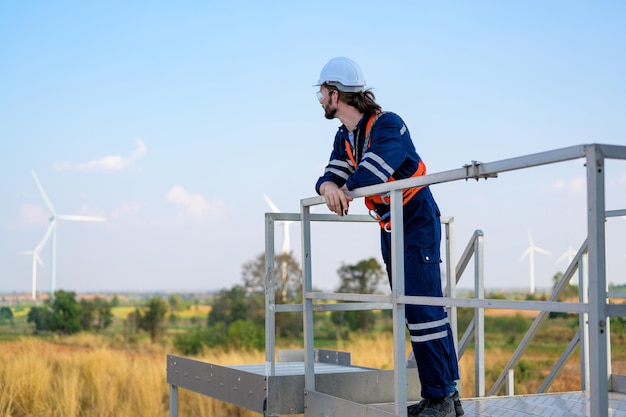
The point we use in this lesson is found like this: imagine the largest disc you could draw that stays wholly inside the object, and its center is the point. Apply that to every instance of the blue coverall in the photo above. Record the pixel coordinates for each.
(390, 152)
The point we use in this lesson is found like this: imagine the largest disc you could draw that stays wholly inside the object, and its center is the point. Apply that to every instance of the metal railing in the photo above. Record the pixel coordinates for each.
(593, 306)
(474, 249)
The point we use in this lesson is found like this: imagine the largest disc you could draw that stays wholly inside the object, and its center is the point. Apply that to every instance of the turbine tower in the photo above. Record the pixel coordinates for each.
(530, 252)
(51, 232)
(286, 241)
(569, 254)
(36, 260)
(286, 246)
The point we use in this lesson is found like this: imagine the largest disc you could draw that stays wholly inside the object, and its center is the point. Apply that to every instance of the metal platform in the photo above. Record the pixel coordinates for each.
(565, 404)
(248, 386)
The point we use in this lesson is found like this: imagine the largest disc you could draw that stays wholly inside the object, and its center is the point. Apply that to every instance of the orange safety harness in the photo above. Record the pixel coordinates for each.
(370, 201)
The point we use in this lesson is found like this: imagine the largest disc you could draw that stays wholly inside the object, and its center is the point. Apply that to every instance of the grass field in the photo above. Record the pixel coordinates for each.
(88, 375)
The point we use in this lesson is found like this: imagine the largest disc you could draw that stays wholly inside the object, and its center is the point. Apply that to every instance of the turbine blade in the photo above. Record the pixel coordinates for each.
(271, 204)
(45, 238)
(542, 251)
(79, 218)
(39, 261)
(44, 195)
(525, 253)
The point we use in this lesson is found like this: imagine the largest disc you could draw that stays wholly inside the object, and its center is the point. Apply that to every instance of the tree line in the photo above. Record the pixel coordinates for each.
(237, 315)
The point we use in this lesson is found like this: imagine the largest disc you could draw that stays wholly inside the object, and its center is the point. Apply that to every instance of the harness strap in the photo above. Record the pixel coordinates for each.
(380, 199)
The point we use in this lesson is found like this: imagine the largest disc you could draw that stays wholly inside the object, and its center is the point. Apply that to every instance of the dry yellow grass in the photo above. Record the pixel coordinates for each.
(77, 377)
(84, 377)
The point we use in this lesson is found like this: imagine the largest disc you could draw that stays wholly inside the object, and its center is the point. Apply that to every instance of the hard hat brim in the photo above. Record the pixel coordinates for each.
(342, 87)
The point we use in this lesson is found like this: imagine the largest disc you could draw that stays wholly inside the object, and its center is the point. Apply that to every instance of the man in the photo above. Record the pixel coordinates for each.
(373, 147)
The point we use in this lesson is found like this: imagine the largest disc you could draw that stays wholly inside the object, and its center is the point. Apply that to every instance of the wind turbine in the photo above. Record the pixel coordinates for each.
(51, 232)
(530, 252)
(36, 260)
(286, 241)
(569, 254)
(286, 245)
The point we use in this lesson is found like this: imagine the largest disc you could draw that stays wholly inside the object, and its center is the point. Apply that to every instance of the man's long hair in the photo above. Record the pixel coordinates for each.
(363, 101)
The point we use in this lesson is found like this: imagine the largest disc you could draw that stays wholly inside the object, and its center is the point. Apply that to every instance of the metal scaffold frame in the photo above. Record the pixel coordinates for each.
(310, 383)
(596, 308)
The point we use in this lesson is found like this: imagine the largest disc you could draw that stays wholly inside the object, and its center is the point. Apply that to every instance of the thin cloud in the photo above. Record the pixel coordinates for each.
(111, 163)
(194, 207)
(576, 185)
(33, 215)
(127, 208)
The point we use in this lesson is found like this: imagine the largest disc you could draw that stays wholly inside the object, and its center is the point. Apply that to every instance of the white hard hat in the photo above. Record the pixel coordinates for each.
(343, 73)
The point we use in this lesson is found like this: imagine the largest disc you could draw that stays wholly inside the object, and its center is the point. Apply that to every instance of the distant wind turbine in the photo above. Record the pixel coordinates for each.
(569, 254)
(286, 240)
(51, 232)
(286, 245)
(530, 252)
(36, 260)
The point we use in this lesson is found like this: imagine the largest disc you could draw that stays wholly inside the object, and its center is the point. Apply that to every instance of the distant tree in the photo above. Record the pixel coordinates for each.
(287, 279)
(172, 318)
(66, 313)
(152, 317)
(131, 327)
(175, 301)
(6, 313)
(192, 342)
(40, 317)
(115, 302)
(570, 291)
(243, 334)
(88, 316)
(287, 289)
(96, 314)
(361, 278)
(229, 306)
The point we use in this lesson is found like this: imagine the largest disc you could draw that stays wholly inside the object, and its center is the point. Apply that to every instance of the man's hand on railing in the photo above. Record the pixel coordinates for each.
(336, 199)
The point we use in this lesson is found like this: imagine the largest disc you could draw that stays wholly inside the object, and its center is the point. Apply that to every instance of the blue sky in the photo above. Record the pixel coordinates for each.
(173, 119)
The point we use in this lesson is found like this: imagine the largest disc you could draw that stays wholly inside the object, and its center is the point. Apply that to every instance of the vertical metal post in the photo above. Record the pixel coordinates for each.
(451, 278)
(270, 300)
(609, 370)
(397, 275)
(598, 377)
(479, 317)
(307, 302)
(510, 383)
(583, 327)
(173, 401)
(53, 266)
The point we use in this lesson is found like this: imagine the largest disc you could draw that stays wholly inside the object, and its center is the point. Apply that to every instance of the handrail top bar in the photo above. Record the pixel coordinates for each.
(615, 213)
(477, 170)
(318, 217)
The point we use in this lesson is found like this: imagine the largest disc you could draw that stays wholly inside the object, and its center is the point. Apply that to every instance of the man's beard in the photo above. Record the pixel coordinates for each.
(329, 113)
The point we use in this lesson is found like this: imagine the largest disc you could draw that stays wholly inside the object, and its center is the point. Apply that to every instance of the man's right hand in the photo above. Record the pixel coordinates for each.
(336, 199)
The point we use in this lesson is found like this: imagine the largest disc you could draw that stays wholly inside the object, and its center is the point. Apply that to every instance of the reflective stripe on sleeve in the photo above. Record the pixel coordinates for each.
(380, 161)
